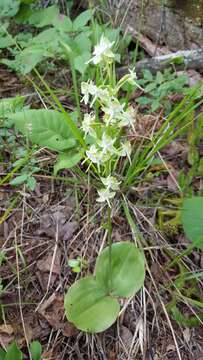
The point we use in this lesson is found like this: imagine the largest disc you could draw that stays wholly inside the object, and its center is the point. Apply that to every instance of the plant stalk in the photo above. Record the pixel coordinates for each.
(110, 249)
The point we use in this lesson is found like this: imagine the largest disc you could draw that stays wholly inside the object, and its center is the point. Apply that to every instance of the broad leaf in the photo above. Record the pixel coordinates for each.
(36, 350)
(192, 220)
(6, 41)
(88, 307)
(82, 20)
(47, 128)
(13, 352)
(66, 161)
(63, 23)
(38, 18)
(19, 180)
(30, 57)
(80, 62)
(9, 7)
(127, 272)
(83, 43)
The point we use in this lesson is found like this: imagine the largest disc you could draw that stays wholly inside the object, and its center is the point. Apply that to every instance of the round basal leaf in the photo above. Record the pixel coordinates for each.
(44, 127)
(127, 269)
(36, 350)
(192, 220)
(88, 307)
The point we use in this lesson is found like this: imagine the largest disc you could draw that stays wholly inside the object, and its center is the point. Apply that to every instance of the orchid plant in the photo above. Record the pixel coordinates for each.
(91, 302)
(105, 128)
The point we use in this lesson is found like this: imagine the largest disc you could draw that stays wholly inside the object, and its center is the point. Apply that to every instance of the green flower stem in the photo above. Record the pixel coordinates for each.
(110, 248)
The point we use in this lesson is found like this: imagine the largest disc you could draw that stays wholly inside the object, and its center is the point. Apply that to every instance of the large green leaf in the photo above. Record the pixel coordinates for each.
(127, 272)
(38, 18)
(13, 353)
(47, 128)
(6, 41)
(82, 20)
(63, 23)
(88, 306)
(67, 161)
(9, 7)
(192, 220)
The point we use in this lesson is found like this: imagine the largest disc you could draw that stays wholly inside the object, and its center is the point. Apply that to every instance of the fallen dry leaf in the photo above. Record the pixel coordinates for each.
(57, 221)
(126, 336)
(46, 265)
(6, 335)
(53, 311)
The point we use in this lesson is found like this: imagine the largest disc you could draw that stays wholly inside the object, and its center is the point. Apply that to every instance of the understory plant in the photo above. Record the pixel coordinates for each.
(103, 143)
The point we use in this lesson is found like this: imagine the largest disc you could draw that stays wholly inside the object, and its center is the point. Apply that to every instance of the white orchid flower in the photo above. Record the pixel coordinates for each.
(128, 117)
(106, 145)
(102, 51)
(105, 195)
(87, 123)
(111, 183)
(94, 154)
(126, 150)
(87, 88)
(113, 111)
(132, 76)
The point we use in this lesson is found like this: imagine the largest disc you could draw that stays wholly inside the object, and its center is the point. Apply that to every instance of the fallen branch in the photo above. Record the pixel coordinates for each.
(180, 60)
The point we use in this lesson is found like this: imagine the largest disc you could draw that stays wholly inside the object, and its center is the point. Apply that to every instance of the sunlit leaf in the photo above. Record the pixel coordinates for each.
(39, 17)
(82, 20)
(127, 272)
(9, 7)
(88, 306)
(47, 128)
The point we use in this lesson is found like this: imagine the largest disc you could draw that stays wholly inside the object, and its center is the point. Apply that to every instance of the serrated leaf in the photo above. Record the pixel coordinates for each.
(13, 352)
(127, 272)
(159, 77)
(88, 307)
(66, 161)
(192, 220)
(150, 87)
(148, 75)
(36, 350)
(44, 127)
(143, 100)
(82, 20)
